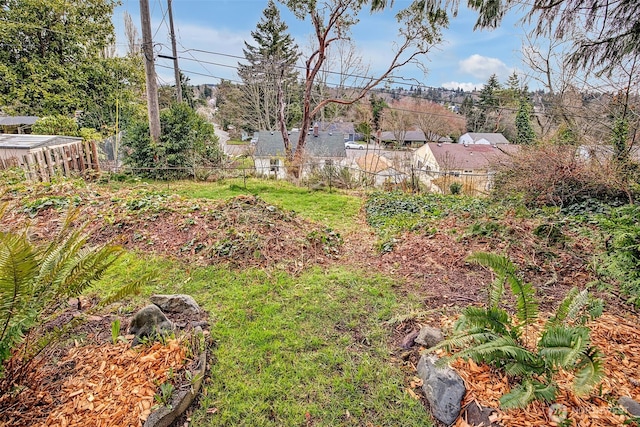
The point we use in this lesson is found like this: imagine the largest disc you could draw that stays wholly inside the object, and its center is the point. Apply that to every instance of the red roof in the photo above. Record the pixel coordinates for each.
(469, 157)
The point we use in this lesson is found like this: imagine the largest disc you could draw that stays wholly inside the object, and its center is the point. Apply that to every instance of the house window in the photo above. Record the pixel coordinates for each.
(468, 171)
(328, 163)
(454, 173)
(274, 165)
(420, 164)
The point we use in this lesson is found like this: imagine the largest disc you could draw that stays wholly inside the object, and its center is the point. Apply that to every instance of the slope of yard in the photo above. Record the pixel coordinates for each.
(309, 292)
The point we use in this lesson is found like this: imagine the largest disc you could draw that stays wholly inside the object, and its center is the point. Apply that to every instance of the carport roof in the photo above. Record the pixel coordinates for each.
(27, 142)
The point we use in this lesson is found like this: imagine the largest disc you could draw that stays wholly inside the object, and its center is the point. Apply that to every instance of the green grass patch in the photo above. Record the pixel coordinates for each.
(291, 350)
(335, 209)
(237, 142)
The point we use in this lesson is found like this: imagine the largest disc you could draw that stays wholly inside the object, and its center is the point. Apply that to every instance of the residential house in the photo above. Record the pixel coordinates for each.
(483, 138)
(378, 170)
(321, 149)
(412, 138)
(347, 129)
(440, 165)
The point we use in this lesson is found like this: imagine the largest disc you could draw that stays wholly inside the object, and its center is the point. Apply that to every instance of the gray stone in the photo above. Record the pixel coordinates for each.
(443, 388)
(630, 405)
(476, 415)
(182, 304)
(429, 336)
(408, 340)
(148, 322)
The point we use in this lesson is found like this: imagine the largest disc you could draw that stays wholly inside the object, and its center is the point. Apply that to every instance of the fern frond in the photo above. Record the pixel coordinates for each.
(463, 340)
(496, 292)
(578, 304)
(56, 261)
(589, 372)
(500, 265)
(562, 311)
(491, 319)
(563, 346)
(88, 266)
(132, 288)
(518, 397)
(520, 369)
(527, 306)
(500, 350)
(546, 392)
(17, 266)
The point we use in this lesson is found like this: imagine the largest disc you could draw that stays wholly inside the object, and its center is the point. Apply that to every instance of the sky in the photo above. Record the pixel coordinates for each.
(210, 37)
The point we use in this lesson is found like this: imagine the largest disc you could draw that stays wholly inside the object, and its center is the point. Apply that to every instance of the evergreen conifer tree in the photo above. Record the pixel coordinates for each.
(270, 67)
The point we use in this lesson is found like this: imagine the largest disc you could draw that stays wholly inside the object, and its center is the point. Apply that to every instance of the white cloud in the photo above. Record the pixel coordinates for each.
(467, 87)
(482, 67)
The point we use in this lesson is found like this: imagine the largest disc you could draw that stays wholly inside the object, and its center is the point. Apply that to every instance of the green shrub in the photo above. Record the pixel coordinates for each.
(455, 188)
(490, 335)
(187, 142)
(621, 259)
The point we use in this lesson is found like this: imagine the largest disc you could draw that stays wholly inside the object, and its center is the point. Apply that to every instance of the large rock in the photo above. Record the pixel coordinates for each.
(630, 405)
(443, 388)
(429, 336)
(179, 304)
(149, 322)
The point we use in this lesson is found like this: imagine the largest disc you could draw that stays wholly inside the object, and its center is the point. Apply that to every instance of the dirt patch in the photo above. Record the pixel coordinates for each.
(242, 232)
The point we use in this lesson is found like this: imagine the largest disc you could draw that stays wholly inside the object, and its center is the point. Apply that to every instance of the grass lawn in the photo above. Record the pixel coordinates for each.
(292, 351)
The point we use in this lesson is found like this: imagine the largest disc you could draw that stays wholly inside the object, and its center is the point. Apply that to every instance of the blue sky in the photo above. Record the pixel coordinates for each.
(211, 35)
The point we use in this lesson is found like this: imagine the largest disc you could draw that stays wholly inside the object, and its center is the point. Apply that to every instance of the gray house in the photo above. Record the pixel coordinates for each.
(347, 129)
(321, 149)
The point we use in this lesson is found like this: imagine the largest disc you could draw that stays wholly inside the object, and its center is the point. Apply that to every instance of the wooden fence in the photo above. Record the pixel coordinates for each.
(77, 158)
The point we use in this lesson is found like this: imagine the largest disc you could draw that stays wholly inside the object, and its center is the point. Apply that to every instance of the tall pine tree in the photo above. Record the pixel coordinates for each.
(269, 71)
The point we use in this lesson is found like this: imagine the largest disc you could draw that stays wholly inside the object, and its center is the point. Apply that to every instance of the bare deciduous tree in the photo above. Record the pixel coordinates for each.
(418, 32)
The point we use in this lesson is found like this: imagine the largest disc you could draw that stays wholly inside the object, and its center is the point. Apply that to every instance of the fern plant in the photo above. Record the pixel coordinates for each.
(490, 335)
(36, 279)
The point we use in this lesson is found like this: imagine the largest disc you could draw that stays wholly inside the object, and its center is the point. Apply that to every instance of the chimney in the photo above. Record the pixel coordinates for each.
(315, 130)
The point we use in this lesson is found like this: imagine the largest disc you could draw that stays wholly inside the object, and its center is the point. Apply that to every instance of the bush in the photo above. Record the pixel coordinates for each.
(621, 260)
(187, 144)
(556, 175)
(490, 335)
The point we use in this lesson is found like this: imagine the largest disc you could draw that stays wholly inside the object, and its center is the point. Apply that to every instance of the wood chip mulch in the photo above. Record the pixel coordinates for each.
(110, 385)
(616, 337)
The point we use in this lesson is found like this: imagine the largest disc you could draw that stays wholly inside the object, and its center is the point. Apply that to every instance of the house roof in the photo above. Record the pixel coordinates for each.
(493, 138)
(414, 135)
(326, 144)
(470, 157)
(17, 120)
(373, 163)
(26, 142)
(337, 127)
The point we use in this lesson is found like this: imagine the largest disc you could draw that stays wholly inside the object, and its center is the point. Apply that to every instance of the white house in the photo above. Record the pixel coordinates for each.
(483, 138)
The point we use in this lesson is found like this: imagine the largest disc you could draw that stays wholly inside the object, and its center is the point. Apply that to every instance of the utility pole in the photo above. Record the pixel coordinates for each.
(175, 54)
(150, 70)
